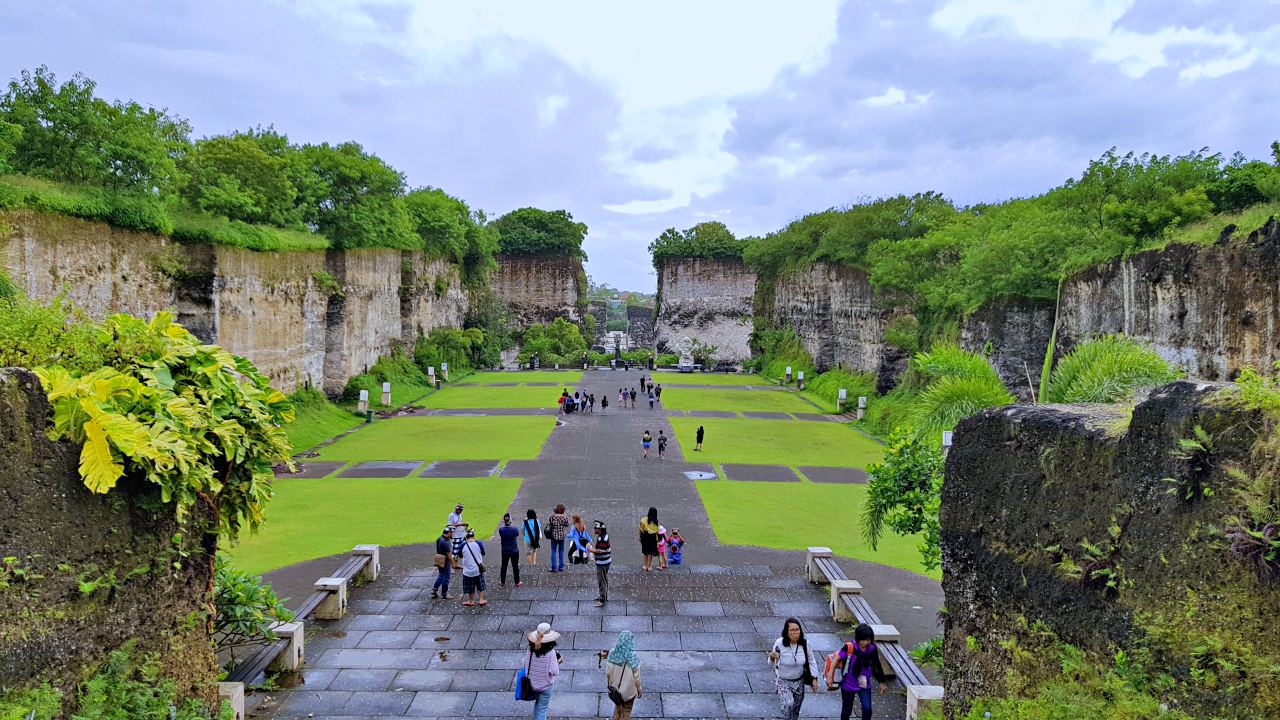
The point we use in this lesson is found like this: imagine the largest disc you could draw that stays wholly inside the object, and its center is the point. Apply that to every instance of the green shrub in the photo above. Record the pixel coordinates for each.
(128, 687)
(44, 702)
(1106, 370)
(134, 211)
(826, 387)
(245, 609)
(192, 227)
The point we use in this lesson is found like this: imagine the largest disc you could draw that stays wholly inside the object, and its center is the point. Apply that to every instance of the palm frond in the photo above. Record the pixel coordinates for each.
(951, 399)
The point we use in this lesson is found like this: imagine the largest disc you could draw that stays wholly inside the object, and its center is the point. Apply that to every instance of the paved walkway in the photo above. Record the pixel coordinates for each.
(702, 628)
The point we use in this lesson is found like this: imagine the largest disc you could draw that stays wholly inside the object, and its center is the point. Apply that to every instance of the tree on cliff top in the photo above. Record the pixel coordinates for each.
(704, 240)
(531, 231)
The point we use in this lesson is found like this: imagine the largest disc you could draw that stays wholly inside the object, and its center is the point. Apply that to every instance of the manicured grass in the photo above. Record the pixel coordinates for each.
(677, 378)
(444, 438)
(734, 400)
(564, 377)
(318, 422)
(773, 515)
(776, 442)
(313, 518)
(479, 396)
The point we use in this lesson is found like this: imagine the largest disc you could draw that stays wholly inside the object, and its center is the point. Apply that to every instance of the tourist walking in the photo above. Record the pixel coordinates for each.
(622, 398)
(459, 529)
(662, 444)
(649, 537)
(658, 391)
(558, 526)
(443, 561)
(509, 537)
(543, 666)
(662, 548)
(604, 404)
(860, 661)
(698, 437)
(473, 570)
(795, 666)
(633, 398)
(622, 676)
(675, 547)
(577, 541)
(645, 441)
(651, 399)
(532, 536)
(602, 551)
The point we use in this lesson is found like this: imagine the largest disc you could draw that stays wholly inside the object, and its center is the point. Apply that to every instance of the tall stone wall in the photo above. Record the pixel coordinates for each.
(270, 307)
(145, 579)
(539, 289)
(1014, 335)
(1209, 310)
(1081, 524)
(833, 310)
(640, 326)
(708, 300)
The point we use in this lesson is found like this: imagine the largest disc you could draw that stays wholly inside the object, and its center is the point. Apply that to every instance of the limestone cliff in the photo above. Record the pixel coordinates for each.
(1014, 335)
(833, 310)
(1077, 524)
(539, 289)
(707, 300)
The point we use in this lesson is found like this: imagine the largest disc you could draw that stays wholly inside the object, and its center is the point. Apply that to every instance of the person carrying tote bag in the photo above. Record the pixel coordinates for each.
(622, 676)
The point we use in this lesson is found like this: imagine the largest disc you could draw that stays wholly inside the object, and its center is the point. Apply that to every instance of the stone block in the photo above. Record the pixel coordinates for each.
(839, 588)
(294, 655)
(233, 693)
(920, 697)
(370, 571)
(886, 633)
(811, 568)
(334, 606)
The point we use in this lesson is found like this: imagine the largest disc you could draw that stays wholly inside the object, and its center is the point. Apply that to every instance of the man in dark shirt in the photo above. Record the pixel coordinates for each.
(509, 535)
(444, 546)
(603, 553)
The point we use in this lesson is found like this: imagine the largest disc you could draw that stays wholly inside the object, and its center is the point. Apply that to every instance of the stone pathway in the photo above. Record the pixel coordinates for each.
(702, 629)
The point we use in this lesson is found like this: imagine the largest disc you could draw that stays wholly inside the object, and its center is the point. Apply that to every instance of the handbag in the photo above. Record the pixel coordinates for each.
(524, 686)
(806, 676)
(440, 561)
(546, 531)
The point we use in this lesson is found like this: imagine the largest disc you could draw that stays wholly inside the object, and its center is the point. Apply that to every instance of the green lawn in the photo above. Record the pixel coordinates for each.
(734, 400)
(444, 438)
(787, 516)
(776, 442)
(564, 377)
(479, 396)
(313, 518)
(318, 422)
(669, 378)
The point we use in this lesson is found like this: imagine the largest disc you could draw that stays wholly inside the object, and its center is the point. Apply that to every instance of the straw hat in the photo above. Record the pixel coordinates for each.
(548, 635)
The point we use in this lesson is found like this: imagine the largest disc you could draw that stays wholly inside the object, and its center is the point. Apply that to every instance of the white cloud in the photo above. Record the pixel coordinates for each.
(896, 96)
(549, 108)
(1097, 24)
(654, 57)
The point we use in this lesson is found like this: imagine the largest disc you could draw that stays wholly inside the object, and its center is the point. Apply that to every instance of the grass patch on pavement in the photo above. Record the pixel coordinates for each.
(564, 377)
(773, 515)
(734, 400)
(309, 519)
(444, 438)
(776, 442)
(479, 396)
(669, 378)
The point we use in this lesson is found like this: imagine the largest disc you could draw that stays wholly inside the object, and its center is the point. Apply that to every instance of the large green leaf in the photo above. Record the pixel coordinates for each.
(98, 466)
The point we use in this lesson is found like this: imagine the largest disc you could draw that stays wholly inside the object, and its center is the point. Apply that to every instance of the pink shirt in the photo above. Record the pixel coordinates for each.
(543, 671)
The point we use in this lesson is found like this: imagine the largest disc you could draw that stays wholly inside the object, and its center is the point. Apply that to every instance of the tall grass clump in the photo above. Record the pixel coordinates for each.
(1107, 370)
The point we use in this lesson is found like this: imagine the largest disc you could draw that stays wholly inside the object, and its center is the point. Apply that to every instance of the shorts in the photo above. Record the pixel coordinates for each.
(646, 445)
(472, 584)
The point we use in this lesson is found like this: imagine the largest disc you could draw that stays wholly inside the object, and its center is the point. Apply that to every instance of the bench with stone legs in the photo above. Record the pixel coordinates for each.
(848, 605)
(285, 653)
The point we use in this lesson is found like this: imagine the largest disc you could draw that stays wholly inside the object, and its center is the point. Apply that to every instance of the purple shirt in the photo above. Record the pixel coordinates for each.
(862, 663)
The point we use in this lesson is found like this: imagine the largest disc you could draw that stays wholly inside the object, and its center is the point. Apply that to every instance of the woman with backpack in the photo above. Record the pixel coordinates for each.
(795, 666)
(532, 536)
(860, 661)
(622, 676)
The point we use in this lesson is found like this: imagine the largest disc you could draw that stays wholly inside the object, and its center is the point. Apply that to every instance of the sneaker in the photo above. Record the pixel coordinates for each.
(519, 584)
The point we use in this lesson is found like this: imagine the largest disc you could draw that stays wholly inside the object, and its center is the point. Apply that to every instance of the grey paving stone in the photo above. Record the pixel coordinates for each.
(834, 474)
(705, 641)
(388, 639)
(460, 469)
(665, 680)
(750, 705)
(746, 609)
(319, 702)
(500, 704)
(486, 681)
(425, 622)
(762, 681)
(336, 639)
(701, 705)
(378, 703)
(762, 415)
(812, 417)
(374, 622)
(308, 469)
(456, 659)
(800, 609)
(571, 704)
(362, 679)
(719, 681)
(381, 469)
(441, 640)
(728, 624)
(593, 641)
(574, 623)
(434, 680)
(655, 608)
(509, 660)
(647, 706)
(442, 704)
(520, 468)
(677, 660)
(699, 609)
(824, 704)
(634, 623)
(318, 678)
(675, 623)
(759, 473)
(658, 641)
(486, 640)
(475, 621)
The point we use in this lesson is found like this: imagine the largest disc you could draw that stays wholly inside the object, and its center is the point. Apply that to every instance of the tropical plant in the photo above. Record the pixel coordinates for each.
(1106, 370)
(192, 419)
(961, 383)
(245, 609)
(903, 495)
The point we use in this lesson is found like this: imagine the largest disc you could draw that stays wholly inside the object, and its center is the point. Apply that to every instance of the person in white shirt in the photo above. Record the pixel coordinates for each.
(473, 570)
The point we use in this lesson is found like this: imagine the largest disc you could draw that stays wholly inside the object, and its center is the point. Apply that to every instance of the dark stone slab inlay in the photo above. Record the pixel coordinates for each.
(761, 415)
(381, 469)
(811, 417)
(311, 469)
(712, 414)
(834, 474)
(460, 469)
(759, 473)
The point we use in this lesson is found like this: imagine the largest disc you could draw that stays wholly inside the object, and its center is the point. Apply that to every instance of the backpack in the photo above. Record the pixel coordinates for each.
(829, 665)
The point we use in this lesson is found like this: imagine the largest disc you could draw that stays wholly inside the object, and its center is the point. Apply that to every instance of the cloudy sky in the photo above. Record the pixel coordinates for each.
(639, 116)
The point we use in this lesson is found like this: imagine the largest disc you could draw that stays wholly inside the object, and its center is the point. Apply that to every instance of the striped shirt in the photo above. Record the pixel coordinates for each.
(604, 555)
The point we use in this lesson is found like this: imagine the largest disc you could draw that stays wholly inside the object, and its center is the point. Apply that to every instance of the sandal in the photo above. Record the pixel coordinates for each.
(468, 604)
(482, 603)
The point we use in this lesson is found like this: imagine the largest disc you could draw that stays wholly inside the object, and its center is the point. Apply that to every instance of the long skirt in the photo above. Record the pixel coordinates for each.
(790, 697)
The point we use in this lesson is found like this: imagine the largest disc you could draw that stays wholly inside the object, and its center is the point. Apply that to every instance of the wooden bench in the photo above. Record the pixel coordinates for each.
(288, 650)
(821, 568)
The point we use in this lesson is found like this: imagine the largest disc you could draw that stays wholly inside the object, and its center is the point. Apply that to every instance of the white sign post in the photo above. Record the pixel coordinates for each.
(841, 397)
(862, 406)
(444, 370)
(800, 379)
(386, 394)
(946, 442)
(362, 404)
(432, 380)
(788, 374)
